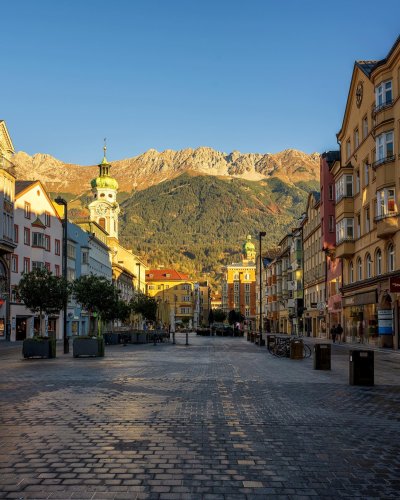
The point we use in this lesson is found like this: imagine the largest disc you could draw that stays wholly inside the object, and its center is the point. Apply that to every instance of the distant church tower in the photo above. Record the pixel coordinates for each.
(104, 208)
(249, 250)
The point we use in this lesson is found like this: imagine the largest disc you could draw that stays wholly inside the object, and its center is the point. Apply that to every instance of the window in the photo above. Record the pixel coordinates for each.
(85, 257)
(367, 220)
(369, 266)
(331, 191)
(37, 264)
(57, 247)
(345, 230)
(357, 187)
(236, 276)
(247, 276)
(247, 287)
(378, 259)
(247, 299)
(344, 187)
(27, 236)
(331, 223)
(16, 233)
(390, 252)
(47, 242)
(351, 272)
(359, 269)
(383, 94)
(247, 312)
(27, 210)
(47, 266)
(57, 270)
(47, 219)
(38, 240)
(71, 252)
(358, 226)
(185, 310)
(27, 265)
(236, 287)
(348, 149)
(385, 203)
(384, 147)
(356, 138)
(70, 274)
(365, 127)
(14, 263)
(366, 173)
(186, 298)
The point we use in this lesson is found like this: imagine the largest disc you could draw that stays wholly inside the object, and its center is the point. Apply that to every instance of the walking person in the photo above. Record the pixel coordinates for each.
(339, 332)
(333, 333)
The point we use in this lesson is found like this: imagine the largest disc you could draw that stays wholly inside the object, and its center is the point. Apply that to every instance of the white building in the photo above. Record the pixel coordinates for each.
(38, 234)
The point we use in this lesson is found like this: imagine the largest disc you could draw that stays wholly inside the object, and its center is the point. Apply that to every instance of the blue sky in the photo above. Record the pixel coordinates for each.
(255, 76)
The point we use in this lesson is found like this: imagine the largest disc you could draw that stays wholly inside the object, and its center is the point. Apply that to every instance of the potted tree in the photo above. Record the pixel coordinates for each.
(147, 308)
(42, 293)
(97, 295)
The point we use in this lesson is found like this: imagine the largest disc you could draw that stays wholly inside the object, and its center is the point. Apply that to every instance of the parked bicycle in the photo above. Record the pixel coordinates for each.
(281, 347)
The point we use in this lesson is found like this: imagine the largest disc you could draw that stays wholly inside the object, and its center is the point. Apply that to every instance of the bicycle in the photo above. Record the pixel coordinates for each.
(281, 347)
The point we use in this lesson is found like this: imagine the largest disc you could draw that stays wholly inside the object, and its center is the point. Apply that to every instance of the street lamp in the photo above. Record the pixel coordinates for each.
(138, 264)
(63, 202)
(261, 234)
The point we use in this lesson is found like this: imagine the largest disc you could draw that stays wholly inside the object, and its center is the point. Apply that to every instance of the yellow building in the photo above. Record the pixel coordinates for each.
(367, 189)
(177, 291)
(314, 270)
(239, 284)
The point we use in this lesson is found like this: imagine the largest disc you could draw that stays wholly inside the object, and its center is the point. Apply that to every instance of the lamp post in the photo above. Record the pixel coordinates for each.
(138, 264)
(63, 202)
(261, 234)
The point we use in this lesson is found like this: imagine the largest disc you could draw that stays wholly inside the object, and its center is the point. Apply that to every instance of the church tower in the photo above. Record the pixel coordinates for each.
(249, 250)
(104, 208)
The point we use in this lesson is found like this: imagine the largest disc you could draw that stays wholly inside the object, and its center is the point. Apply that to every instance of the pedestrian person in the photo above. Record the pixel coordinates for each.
(339, 331)
(333, 332)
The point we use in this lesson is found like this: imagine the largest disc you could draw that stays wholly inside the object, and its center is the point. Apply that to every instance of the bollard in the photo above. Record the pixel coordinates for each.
(187, 338)
(154, 339)
(173, 337)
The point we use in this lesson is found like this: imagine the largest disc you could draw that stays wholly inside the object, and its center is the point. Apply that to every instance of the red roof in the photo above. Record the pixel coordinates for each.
(165, 275)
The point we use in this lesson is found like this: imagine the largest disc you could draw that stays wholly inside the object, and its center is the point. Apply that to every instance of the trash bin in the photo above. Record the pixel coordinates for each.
(361, 367)
(271, 340)
(296, 349)
(322, 357)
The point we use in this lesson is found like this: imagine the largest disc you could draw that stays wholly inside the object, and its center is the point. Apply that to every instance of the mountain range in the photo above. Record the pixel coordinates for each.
(193, 208)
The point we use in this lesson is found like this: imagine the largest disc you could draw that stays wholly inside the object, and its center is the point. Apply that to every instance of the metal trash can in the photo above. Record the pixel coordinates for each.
(271, 340)
(296, 349)
(361, 367)
(322, 357)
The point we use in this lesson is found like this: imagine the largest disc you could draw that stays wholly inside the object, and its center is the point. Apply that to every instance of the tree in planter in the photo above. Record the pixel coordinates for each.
(235, 317)
(118, 310)
(42, 292)
(97, 295)
(219, 315)
(144, 305)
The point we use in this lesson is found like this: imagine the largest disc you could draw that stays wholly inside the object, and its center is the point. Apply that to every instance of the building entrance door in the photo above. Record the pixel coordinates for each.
(20, 329)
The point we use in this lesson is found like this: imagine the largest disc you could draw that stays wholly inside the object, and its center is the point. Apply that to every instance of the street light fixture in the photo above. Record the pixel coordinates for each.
(64, 203)
(261, 234)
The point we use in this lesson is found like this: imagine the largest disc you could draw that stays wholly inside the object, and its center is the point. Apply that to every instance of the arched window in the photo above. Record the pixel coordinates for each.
(378, 261)
(102, 222)
(359, 269)
(236, 276)
(390, 255)
(351, 272)
(368, 266)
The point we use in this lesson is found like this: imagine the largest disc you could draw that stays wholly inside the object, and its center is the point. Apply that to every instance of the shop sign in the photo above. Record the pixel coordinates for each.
(361, 299)
(385, 322)
(395, 284)
(321, 307)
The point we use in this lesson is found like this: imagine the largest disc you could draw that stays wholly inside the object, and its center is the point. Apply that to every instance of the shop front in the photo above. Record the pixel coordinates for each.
(334, 311)
(360, 318)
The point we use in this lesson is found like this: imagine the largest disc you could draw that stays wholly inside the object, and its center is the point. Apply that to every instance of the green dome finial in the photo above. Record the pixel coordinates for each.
(248, 249)
(104, 180)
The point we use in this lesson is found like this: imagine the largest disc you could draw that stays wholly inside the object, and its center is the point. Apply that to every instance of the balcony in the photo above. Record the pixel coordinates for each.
(345, 248)
(383, 113)
(387, 225)
(344, 205)
(385, 174)
(383, 161)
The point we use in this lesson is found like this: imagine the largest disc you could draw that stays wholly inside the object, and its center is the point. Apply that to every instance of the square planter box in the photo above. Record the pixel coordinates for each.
(40, 347)
(88, 346)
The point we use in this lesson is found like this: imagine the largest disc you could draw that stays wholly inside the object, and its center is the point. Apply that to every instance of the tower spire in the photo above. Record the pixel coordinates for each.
(105, 149)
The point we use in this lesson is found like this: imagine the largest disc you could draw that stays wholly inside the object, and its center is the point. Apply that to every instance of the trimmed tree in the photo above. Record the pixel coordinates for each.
(219, 315)
(97, 295)
(144, 305)
(42, 292)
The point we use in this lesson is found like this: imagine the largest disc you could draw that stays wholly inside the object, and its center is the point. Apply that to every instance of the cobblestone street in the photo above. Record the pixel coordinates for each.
(218, 419)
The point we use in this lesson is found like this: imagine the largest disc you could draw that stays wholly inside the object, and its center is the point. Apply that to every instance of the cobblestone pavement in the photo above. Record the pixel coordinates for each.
(218, 419)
